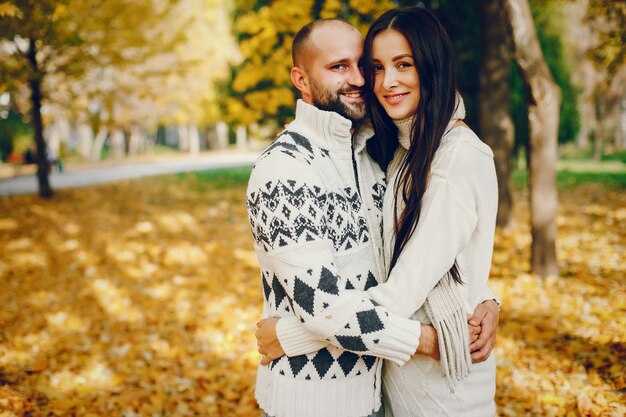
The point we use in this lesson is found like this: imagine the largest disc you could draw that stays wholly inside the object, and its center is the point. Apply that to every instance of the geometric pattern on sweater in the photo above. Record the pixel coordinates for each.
(378, 193)
(325, 364)
(310, 297)
(287, 212)
(296, 146)
(348, 228)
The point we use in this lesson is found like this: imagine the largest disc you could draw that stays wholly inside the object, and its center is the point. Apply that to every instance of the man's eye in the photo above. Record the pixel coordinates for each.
(340, 67)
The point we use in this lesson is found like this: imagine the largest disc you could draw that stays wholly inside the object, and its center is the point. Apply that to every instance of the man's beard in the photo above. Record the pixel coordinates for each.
(331, 101)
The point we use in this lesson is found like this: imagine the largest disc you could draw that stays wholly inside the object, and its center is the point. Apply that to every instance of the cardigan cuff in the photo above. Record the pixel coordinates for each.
(295, 339)
(400, 340)
(489, 295)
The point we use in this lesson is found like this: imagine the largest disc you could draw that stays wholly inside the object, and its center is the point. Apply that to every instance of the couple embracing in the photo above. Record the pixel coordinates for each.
(373, 217)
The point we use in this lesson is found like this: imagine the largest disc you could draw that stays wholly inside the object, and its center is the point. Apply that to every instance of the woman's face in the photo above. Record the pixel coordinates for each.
(396, 82)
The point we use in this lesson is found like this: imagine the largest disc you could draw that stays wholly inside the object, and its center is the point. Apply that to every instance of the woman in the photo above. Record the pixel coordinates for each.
(438, 212)
(440, 206)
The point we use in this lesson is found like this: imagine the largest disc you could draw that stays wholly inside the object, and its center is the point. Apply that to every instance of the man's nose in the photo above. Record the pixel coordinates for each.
(356, 77)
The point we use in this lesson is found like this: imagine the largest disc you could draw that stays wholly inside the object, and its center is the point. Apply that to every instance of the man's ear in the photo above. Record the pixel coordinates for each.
(300, 80)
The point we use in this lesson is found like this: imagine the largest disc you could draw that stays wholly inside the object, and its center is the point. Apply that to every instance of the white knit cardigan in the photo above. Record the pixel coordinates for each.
(313, 236)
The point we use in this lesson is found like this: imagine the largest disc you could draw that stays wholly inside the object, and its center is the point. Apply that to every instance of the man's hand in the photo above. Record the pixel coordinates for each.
(267, 340)
(429, 343)
(486, 316)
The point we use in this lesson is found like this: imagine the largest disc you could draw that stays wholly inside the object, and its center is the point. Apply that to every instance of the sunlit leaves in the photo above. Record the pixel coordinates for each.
(561, 343)
(139, 299)
(8, 9)
(147, 312)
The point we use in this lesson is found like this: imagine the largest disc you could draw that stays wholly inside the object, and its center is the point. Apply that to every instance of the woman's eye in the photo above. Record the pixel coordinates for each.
(404, 65)
(378, 68)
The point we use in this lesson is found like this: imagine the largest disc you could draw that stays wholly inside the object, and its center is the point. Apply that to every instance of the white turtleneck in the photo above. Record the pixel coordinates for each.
(404, 133)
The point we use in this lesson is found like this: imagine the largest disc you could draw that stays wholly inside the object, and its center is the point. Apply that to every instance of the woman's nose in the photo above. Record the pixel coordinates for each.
(390, 80)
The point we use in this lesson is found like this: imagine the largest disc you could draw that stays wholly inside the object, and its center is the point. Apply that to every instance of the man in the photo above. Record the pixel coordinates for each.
(315, 212)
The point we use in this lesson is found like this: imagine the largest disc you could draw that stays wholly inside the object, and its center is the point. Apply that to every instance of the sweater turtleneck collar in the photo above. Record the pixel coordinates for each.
(404, 125)
(327, 129)
(404, 130)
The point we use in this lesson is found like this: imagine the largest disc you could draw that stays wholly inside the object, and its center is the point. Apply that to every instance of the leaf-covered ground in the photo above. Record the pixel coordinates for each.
(140, 299)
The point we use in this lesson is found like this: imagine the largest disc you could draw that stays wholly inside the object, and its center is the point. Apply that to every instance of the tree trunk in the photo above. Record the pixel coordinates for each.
(496, 123)
(622, 126)
(136, 140)
(582, 140)
(117, 143)
(183, 138)
(543, 97)
(98, 144)
(85, 140)
(43, 167)
(194, 139)
(222, 135)
(241, 135)
(598, 135)
(52, 136)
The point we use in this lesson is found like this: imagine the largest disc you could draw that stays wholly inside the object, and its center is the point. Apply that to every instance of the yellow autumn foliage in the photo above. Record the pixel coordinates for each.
(140, 299)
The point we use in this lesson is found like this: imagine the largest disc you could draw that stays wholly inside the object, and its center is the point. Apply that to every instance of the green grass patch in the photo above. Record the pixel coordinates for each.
(217, 178)
(571, 179)
(570, 174)
(573, 173)
(616, 156)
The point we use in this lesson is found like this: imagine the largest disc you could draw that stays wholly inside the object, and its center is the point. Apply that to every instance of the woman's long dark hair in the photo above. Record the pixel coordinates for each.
(434, 61)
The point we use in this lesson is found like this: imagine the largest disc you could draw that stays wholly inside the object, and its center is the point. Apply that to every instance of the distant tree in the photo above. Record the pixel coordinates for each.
(47, 38)
(114, 56)
(610, 15)
(608, 22)
(462, 21)
(543, 99)
(550, 23)
(496, 123)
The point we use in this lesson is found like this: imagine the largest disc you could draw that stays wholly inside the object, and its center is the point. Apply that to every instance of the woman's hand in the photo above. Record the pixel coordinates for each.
(486, 316)
(267, 340)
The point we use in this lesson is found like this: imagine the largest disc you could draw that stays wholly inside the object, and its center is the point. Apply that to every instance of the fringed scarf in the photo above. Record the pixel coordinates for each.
(443, 305)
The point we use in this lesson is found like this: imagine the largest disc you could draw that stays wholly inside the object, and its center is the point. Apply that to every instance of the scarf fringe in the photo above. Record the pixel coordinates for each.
(445, 311)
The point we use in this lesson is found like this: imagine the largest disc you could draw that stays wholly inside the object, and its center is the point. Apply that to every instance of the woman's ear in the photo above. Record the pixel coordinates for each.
(300, 80)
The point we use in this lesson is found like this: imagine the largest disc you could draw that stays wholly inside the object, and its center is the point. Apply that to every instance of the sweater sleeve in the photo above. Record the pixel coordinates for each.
(288, 218)
(445, 226)
(460, 188)
(488, 294)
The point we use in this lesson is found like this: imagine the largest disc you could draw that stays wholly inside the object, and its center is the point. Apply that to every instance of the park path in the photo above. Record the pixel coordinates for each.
(27, 184)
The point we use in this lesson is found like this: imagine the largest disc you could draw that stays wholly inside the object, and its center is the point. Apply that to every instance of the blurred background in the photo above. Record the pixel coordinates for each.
(139, 297)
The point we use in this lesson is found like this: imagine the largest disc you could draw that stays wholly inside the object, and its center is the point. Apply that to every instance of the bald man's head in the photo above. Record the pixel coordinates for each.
(326, 71)
(303, 47)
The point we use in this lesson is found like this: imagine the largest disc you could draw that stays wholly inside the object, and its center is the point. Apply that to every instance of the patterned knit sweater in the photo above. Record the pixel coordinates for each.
(312, 236)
